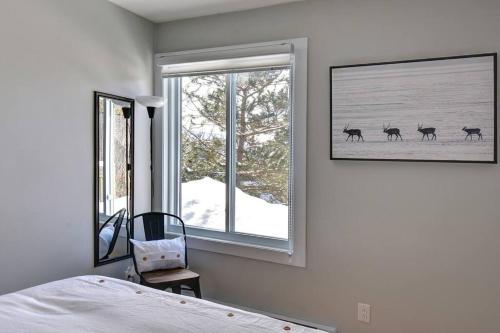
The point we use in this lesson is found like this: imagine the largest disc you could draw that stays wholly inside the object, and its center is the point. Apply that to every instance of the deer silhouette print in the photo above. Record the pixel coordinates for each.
(472, 131)
(426, 131)
(391, 131)
(352, 133)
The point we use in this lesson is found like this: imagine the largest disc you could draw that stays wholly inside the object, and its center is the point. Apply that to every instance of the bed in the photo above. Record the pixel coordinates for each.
(101, 304)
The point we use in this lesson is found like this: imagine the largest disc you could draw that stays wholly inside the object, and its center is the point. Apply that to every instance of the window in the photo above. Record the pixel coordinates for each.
(203, 152)
(262, 153)
(235, 160)
(229, 142)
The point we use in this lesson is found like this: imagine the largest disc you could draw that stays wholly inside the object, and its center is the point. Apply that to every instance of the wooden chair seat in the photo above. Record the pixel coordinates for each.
(169, 275)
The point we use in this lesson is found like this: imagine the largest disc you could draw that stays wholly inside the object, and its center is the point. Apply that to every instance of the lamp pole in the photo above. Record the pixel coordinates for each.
(151, 114)
(151, 103)
(127, 113)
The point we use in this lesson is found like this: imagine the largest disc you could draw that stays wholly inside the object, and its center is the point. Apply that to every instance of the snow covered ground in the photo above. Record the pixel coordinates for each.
(204, 205)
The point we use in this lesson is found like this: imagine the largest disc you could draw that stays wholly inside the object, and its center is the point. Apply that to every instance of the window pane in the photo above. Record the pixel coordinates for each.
(203, 151)
(262, 153)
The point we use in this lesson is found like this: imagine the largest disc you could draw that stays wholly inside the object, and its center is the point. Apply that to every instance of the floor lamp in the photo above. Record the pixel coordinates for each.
(151, 103)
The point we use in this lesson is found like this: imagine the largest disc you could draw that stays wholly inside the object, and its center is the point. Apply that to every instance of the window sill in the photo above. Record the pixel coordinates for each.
(247, 251)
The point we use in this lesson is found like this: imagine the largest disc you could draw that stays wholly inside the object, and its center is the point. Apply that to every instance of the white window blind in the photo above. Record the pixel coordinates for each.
(219, 60)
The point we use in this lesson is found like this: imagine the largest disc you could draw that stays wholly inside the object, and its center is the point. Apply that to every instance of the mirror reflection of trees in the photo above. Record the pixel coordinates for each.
(119, 158)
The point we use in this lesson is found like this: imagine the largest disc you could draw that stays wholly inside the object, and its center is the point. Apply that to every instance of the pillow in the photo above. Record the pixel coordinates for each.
(159, 254)
(105, 237)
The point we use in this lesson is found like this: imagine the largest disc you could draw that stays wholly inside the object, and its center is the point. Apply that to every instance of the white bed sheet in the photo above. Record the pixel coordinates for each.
(95, 304)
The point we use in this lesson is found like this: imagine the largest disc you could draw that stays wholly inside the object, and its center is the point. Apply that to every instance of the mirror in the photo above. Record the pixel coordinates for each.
(114, 177)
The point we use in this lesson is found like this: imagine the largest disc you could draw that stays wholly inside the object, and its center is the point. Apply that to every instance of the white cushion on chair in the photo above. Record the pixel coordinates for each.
(105, 238)
(159, 254)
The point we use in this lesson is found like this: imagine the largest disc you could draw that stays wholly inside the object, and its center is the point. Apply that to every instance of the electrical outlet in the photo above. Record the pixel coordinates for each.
(364, 312)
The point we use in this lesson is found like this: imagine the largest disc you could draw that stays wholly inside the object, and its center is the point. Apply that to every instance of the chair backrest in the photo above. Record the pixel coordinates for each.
(118, 216)
(154, 229)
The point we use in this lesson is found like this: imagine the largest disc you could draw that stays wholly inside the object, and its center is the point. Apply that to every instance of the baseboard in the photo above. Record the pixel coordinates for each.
(326, 328)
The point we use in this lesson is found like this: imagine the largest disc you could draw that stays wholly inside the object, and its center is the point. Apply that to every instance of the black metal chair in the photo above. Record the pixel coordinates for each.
(117, 226)
(154, 229)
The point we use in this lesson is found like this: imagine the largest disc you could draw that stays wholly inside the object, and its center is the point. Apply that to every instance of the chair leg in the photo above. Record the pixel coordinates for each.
(196, 288)
(176, 290)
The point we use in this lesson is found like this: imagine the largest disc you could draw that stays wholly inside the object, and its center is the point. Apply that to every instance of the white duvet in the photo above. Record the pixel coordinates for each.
(95, 304)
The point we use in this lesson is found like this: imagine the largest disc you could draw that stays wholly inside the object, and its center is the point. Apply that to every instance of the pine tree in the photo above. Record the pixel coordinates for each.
(262, 131)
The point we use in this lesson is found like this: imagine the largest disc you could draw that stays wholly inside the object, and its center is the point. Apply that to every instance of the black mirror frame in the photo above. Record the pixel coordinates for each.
(97, 95)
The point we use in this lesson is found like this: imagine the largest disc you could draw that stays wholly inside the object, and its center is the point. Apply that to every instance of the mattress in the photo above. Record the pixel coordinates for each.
(101, 304)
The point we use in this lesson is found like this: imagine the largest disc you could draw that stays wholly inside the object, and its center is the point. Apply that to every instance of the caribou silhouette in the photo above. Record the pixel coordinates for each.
(352, 133)
(391, 131)
(472, 131)
(426, 131)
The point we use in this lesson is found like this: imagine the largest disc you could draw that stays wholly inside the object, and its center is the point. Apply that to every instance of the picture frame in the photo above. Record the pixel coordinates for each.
(423, 110)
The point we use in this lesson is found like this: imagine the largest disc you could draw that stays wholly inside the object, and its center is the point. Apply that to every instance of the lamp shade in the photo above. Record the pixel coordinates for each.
(150, 101)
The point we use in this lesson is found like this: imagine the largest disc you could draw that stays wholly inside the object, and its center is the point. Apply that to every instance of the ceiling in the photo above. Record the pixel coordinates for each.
(168, 10)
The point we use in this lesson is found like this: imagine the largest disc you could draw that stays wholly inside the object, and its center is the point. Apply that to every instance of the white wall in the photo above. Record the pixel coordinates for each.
(418, 241)
(54, 53)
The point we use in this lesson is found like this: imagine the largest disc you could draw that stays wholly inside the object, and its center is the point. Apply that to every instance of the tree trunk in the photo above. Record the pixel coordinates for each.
(241, 139)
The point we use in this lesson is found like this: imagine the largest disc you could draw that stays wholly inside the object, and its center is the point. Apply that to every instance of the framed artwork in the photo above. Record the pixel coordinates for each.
(440, 110)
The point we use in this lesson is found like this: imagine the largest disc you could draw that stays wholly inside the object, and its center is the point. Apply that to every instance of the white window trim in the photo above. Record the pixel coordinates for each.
(299, 100)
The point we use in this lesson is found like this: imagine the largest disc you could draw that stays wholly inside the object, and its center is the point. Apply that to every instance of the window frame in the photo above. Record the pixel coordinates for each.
(168, 141)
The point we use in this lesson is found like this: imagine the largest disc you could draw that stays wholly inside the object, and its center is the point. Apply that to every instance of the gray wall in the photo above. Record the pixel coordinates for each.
(54, 53)
(418, 241)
